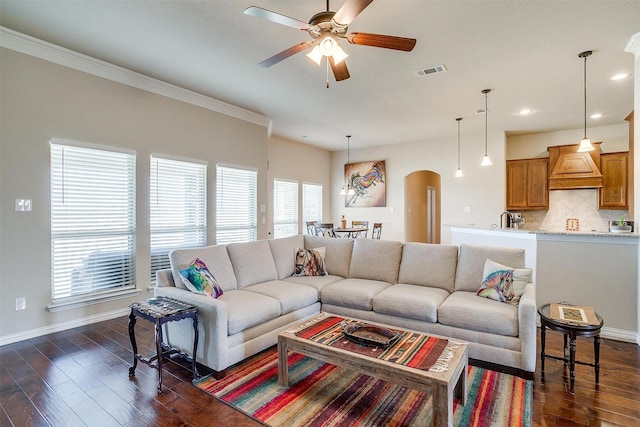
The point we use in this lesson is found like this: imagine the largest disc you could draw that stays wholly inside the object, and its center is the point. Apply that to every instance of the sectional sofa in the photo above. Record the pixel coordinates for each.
(424, 287)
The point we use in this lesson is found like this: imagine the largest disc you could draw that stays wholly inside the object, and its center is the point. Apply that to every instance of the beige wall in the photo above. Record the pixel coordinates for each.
(481, 189)
(41, 100)
(614, 138)
(290, 160)
(602, 273)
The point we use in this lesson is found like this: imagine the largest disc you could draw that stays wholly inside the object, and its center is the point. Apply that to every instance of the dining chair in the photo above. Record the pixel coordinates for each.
(311, 228)
(324, 229)
(377, 230)
(360, 224)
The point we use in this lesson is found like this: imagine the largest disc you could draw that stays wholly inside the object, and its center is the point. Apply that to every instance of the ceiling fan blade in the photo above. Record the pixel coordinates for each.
(340, 71)
(349, 10)
(285, 54)
(278, 18)
(380, 40)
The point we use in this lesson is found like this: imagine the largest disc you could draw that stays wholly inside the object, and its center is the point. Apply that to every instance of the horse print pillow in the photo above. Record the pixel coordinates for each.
(310, 262)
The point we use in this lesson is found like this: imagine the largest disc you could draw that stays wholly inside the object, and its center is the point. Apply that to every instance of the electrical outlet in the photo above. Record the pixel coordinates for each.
(21, 303)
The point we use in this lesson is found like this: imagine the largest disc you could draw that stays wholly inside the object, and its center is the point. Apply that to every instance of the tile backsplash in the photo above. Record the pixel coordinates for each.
(574, 208)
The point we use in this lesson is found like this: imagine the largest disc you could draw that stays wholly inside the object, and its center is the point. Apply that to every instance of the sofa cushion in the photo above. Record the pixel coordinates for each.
(410, 301)
(284, 253)
(215, 257)
(338, 254)
(198, 279)
(291, 296)
(503, 283)
(310, 262)
(429, 265)
(354, 293)
(468, 311)
(376, 260)
(252, 262)
(247, 309)
(316, 282)
(471, 260)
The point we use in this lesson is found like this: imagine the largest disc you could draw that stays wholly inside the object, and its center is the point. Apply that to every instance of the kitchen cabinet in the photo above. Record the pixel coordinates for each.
(615, 180)
(527, 187)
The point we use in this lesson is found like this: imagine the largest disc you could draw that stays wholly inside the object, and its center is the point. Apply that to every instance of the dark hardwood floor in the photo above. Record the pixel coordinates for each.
(80, 377)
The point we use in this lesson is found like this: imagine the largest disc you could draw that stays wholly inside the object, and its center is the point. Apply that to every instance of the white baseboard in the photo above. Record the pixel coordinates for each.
(620, 335)
(25, 335)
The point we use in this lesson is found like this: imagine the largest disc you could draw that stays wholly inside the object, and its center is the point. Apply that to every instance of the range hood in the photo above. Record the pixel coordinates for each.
(569, 169)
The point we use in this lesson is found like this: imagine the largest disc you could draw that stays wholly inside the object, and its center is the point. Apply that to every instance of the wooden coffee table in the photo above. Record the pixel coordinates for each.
(442, 385)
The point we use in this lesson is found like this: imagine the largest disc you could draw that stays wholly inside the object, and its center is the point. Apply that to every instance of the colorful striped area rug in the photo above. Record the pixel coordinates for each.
(325, 395)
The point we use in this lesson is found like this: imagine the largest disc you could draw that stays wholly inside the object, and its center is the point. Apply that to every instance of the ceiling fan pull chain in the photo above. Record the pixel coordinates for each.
(327, 73)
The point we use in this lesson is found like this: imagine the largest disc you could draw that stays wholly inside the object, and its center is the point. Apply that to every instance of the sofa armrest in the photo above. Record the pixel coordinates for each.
(212, 327)
(164, 278)
(527, 310)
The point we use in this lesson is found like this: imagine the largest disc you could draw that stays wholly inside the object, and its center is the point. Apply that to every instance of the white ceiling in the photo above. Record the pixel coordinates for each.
(525, 51)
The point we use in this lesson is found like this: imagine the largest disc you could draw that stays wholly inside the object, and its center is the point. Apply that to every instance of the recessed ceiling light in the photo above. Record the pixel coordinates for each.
(620, 76)
(525, 111)
(596, 115)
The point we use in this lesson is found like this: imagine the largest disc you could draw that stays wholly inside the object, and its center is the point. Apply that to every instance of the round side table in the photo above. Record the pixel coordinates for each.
(571, 331)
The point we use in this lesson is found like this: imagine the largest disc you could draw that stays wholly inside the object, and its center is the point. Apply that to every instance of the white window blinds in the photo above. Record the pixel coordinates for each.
(311, 202)
(177, 205)
(92, 220)
(236, 205)
(285, 208)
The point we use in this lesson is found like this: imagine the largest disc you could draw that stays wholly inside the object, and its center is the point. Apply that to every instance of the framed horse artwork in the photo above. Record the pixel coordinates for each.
(368, 182)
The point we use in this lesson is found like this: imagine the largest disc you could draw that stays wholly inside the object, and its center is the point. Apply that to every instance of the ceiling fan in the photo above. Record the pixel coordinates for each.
(325, 29)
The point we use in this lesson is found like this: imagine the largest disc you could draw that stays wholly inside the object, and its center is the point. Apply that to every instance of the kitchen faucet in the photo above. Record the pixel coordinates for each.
(508, 216)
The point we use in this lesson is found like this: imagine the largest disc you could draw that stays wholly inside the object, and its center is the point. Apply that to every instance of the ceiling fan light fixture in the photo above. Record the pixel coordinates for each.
(328, 46)
(315, 55)
(339, 55)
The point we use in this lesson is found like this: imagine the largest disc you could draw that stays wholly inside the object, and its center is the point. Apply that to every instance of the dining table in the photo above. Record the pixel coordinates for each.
(348, 232)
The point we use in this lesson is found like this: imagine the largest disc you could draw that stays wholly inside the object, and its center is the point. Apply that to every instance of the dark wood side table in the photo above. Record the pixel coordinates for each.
(160, 310)
(571, 331)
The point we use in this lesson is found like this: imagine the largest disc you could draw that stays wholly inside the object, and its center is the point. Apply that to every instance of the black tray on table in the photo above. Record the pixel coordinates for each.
(371, 335)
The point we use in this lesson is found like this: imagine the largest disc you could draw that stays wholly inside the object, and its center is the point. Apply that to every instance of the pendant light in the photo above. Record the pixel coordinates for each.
(486, 161)
(459, 173)
(585, 144)
(347, 189)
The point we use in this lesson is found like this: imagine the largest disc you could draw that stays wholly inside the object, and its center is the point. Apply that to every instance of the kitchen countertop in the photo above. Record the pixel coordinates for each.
(545, 232)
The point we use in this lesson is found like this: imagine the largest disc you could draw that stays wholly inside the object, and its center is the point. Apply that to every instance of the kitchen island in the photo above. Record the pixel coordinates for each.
(585, 268)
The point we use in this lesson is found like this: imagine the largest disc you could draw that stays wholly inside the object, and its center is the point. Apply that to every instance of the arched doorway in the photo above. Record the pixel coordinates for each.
(422, 207)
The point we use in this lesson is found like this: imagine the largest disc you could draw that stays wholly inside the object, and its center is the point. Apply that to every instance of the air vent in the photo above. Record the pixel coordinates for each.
(432, 70)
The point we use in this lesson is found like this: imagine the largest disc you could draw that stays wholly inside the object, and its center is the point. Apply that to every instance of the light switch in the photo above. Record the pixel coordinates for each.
(23, 205)
(467, 209)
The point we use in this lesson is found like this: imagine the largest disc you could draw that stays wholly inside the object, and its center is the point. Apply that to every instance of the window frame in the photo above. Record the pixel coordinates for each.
(181, 215)
(100, 257)
(229, 230)
(290, 224)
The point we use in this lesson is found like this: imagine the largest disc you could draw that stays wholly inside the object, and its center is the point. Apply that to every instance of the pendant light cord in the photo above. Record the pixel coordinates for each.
(486, 122)
(458, 120)
(585, 97)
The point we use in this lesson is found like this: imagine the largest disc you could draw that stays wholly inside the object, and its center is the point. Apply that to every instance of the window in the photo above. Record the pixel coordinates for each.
(178, 217)
(285, 208)
(92, 221)
(236, 205)
(311, 202)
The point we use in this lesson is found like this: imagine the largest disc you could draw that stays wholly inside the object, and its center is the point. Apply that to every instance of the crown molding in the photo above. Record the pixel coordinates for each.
(633, 45)
(41, 49)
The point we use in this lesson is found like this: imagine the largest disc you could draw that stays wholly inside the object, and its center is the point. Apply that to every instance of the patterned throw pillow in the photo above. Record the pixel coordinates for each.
(502, 283)
(198, 279)
(310, 262)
